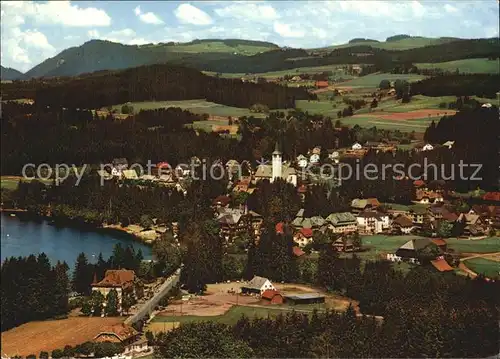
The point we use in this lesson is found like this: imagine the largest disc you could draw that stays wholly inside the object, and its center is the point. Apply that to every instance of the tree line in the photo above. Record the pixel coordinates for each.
(154, 83)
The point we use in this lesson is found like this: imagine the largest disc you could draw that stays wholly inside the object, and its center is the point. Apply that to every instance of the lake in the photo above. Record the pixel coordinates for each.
(24, 237)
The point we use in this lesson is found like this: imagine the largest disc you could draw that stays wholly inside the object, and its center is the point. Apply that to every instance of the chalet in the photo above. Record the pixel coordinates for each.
(427, 147)
(488, 214)
(257, 286)
(439, 212)
(372, 222)
(296, 78)
(138, 347)
(302, 161)
(303, 237)
(122, 280)
(118, 333)
(243, 185)
(118, 165)
(344, 222)
(314, 158)
(321, 84)
(359, 205)
(232, 222)
(403, 224)
(161, 168)
(272, 296)
(418, 214)
(426, 197)
(412, 251)
(344, 245)
(334, 156)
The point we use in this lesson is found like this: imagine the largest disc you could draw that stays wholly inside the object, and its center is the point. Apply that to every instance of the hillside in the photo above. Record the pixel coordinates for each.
(96, 55)
(403, 43)
(10, 74)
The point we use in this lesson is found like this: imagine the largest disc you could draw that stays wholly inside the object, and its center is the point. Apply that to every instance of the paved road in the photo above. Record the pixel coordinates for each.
(150, 304)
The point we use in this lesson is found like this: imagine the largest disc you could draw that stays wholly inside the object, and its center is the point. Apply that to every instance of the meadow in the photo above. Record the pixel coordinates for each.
(403, 44)
(488, 268)
(198, 106)
(373, 80)
(475, 66)
(487, 245)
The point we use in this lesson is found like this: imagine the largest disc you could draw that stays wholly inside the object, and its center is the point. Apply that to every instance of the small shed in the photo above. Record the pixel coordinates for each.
(304, 298)
(272, 296)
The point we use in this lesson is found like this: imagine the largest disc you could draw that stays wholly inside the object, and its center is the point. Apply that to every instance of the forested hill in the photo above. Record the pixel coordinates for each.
(152, 83)
(8, 73)
(96, 55)
(241, 56)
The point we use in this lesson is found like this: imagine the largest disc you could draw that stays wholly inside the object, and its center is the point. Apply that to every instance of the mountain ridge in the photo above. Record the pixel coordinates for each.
(10, 74)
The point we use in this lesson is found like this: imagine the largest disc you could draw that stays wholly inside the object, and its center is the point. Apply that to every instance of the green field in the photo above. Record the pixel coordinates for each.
(11, 183)
(487, 245)
(336, 69)
(403, 44)
(489, 268)
(477, 66)
(417, 125)
(373, 80)
(230, 317)
(199, 106)
(221, 46)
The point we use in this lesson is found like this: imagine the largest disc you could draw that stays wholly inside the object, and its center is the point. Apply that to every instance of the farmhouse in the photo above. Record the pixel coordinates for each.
(257, 286)
(232, 221)
(426, 197)
(359, 205)
(344, 245)
(403, 224)
(122, 280)
(272, 296)
(118, 165)
(356, 146)
(304, 298)
(413, 249)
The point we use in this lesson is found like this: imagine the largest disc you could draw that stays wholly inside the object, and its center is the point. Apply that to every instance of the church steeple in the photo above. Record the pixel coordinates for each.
(277, 163)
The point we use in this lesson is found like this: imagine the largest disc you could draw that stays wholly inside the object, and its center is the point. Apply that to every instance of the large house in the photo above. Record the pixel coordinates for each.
(344, 222)
(426, 197)
(403, 223)
(371, 222)
(121, 280)
(257, 285)
(303, 237)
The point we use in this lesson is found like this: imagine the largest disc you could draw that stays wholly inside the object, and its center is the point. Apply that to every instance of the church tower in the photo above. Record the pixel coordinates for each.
(277, 165)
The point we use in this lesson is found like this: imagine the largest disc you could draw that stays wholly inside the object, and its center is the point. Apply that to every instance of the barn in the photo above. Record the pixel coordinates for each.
(272, 296)
(304, 298)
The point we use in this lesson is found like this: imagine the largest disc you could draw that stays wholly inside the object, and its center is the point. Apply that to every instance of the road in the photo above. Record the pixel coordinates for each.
(150, 304)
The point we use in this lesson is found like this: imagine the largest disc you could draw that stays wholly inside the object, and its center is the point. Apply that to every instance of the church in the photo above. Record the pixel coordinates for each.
(277, 169)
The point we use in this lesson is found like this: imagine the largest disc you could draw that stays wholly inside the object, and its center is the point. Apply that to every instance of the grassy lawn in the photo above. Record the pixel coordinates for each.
(489, 268)
(199, 106)
(374, 79)
(10, 183)
(403, 44)
(230, 317)
(477, 66)
(487, 245)
(295, 71)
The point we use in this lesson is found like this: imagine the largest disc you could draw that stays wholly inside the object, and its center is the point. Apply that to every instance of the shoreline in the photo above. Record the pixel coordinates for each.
(113, 230)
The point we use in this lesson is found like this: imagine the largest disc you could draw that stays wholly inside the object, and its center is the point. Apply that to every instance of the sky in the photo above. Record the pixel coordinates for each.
(32, 31)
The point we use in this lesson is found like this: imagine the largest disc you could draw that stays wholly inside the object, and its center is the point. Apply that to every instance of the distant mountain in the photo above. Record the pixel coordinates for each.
(10, 74)
(397, 42)
(96, 55)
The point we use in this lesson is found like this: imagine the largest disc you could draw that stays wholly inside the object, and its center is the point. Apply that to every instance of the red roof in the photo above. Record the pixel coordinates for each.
(162, 164)
(116, 278)
(418, 183)
(269, 294)
(439, 241)
(492, 196)
(222, 200)
(306, 232)
(298, 252)
(302, 189)
(322, 84)
(441, 265)
(280, 228)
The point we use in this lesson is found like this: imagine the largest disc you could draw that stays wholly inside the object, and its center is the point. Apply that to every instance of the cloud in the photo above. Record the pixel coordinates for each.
(189, 14)
(93, 34)
(450, 9)
(148, 17)
(248, 11)
(58, 13)
(286, 30)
